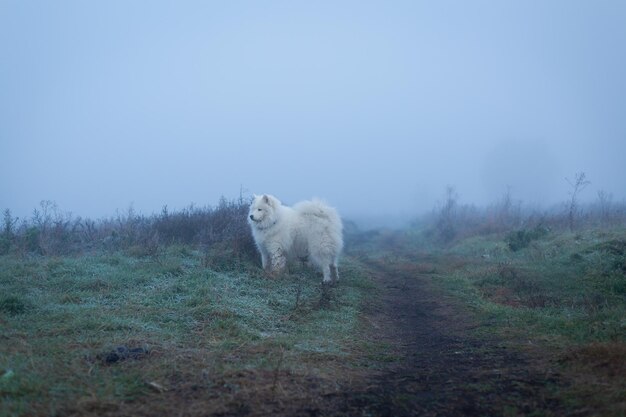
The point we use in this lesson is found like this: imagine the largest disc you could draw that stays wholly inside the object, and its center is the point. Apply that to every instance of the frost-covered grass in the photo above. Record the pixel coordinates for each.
(61, 316)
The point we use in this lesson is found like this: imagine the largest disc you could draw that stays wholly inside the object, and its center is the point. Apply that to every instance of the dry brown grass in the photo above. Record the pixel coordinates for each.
(597, 372)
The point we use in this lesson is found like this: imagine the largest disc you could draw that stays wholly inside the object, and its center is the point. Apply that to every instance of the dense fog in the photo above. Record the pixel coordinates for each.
(375, 107)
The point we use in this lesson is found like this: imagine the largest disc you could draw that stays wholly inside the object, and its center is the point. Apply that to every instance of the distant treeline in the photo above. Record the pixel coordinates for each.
(451, 220)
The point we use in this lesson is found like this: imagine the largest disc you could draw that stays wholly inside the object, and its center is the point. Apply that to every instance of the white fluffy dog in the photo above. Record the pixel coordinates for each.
(310, 230)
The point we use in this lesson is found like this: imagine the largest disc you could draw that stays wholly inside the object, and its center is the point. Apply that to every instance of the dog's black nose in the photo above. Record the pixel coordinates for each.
(251, 217)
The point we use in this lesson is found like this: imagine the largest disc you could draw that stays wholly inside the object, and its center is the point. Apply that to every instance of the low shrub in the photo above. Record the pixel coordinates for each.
(520, 239)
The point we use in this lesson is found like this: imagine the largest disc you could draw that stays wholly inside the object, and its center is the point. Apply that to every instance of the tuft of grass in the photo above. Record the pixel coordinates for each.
(13, 305)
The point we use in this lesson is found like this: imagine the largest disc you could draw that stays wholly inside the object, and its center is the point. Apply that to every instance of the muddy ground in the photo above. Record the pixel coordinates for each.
(436, 366)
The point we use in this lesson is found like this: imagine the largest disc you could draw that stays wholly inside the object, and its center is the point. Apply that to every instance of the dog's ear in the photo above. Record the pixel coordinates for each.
(266, 199)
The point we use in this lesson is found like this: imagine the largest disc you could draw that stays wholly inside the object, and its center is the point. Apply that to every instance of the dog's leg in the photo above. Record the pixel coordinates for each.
(265, 261)
(327, 277)
(278, 260)
(334, 273)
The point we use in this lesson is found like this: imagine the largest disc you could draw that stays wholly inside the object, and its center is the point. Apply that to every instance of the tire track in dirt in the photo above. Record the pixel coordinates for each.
(444, 370)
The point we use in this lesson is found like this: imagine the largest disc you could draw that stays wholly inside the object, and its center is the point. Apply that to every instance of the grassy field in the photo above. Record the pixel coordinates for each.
(82, 334)
(88, 332)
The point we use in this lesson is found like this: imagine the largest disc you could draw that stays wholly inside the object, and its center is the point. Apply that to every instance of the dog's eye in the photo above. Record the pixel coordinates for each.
(258, 209)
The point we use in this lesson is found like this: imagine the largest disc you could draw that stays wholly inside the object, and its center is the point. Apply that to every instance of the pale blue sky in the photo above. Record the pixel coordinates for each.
(374, 106)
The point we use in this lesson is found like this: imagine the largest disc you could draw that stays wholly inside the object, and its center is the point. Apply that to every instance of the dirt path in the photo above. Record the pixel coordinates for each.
(439, 369)
(444, 371)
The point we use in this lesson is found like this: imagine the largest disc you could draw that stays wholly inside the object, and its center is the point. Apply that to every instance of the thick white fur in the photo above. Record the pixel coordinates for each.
(310, 230)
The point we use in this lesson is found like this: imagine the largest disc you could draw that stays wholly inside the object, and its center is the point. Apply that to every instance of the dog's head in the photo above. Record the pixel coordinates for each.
(263, 211)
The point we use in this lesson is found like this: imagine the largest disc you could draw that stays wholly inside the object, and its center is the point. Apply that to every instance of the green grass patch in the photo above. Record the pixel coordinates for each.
(563, 287)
